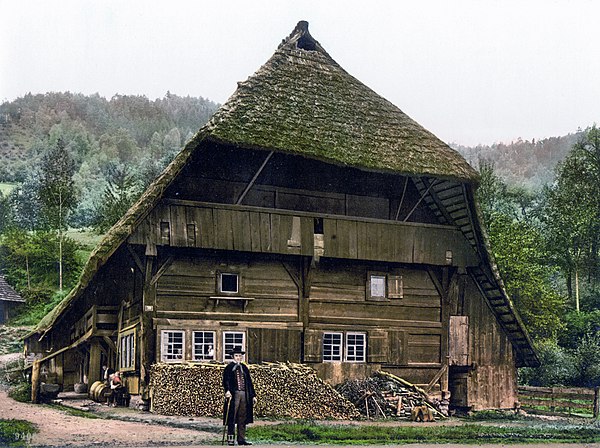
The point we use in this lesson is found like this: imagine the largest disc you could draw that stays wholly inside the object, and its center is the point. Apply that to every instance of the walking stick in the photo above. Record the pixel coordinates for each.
(226, 420)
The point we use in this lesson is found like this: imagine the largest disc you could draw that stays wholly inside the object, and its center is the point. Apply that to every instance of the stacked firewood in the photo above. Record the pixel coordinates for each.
(282, 389)
(385, 395)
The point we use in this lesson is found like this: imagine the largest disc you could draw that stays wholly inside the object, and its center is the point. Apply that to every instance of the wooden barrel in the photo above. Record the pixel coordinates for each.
(94, 390)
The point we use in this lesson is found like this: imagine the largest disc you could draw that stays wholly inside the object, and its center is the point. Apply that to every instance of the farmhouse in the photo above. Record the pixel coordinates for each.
(311, 221)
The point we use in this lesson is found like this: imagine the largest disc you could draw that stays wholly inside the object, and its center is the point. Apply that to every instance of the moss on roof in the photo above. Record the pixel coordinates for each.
(301, 101)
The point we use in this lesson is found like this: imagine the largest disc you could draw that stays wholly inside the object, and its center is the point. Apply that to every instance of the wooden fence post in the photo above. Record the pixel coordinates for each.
(596, 402)
(35, 381)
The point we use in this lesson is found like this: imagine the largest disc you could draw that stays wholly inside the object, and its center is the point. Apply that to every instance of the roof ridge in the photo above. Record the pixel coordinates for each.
(301, 39)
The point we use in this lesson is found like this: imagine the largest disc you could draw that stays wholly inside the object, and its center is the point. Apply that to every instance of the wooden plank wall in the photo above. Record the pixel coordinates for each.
(493, 383)
(250, 229)
(185, 288)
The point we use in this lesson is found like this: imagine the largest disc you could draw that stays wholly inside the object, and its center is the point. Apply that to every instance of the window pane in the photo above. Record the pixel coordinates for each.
(204, 345)
(355, 347)
(232, 339)
(377, 286)
(173, 345)
(229, 283)
(332, 347)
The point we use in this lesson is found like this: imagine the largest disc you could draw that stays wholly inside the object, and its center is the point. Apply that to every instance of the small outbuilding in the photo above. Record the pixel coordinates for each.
(10, 300)
(313, 221)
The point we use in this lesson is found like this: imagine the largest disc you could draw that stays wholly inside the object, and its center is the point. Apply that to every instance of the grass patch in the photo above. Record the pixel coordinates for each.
(16, 432)
(468, 434)
(493, 415)
(31, 315)
(6, 188)
(74, 412)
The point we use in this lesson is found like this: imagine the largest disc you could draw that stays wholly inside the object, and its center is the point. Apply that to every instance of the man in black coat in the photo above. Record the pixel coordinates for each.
(240, 398)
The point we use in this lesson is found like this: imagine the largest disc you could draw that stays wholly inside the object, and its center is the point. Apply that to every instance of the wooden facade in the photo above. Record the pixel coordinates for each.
(296, 258)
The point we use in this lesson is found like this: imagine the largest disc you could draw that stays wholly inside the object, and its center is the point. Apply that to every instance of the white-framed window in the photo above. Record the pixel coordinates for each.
(232, 339)
(377, 286)
(229, 283)
(332, 347)
(172, 345)
(356, 347)
(127, 350)
(203, 345)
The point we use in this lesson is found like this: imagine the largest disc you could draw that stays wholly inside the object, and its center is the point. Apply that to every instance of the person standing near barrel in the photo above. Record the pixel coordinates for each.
(240, 398)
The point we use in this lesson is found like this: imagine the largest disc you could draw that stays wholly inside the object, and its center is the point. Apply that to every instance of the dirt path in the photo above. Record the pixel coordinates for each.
(131, 428)
(58, 428)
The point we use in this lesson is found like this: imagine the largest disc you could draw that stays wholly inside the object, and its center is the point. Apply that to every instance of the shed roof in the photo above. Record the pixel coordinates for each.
(7, 293)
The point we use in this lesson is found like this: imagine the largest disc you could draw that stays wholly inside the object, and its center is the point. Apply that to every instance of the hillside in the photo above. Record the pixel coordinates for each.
(89, 124)
(523, 162)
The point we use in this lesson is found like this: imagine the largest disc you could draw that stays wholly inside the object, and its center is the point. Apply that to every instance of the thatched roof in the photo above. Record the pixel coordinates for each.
(302, 102)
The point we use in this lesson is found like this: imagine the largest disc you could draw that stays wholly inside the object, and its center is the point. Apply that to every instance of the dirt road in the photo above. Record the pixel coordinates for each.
(58, 429)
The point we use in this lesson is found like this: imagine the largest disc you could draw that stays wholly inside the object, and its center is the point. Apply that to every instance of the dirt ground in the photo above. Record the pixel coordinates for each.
(128, 427)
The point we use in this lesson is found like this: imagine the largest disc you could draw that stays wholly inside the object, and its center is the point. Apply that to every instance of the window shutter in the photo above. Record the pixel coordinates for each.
(313, 345)
(395, 287)
(377, 346)
(253, 351)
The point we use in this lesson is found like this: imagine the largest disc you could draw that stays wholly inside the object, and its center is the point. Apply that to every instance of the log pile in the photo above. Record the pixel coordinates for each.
(384, 395)
(283, 390)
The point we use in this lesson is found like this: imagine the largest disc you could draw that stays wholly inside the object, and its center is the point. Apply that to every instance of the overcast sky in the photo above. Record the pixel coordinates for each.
(469, 71)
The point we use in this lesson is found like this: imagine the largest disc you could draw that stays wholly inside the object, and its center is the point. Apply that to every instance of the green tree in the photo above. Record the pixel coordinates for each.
(519, 250)
(120, 193)
(571, 215)
(57, 193)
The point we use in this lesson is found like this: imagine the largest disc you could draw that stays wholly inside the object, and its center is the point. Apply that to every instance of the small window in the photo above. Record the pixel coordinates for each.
(173, 344)
(332, 347)
(204, 345)
(229, 283)
(232, 339)
(356, 347)
(127, 351)
(377, 286)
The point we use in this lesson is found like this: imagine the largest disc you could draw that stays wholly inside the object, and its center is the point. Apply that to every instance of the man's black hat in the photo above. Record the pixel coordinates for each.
(237, 350)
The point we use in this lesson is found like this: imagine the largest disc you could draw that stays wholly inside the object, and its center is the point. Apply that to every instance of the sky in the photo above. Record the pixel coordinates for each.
(470, 71)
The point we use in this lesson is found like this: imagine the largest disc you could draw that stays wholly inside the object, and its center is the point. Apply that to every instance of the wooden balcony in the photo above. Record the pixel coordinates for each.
(179, 223)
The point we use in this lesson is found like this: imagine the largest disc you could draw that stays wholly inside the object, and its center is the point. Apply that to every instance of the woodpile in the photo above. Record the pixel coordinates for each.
(282, 389)
(384, 395)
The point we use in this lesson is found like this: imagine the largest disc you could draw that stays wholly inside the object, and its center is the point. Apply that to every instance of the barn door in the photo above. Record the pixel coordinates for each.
(458, 341)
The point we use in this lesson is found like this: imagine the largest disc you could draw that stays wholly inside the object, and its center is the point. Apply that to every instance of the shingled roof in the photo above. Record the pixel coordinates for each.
(7, 293)
(302, 102)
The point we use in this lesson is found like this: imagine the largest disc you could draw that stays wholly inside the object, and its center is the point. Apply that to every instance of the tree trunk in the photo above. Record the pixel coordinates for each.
(577, 289)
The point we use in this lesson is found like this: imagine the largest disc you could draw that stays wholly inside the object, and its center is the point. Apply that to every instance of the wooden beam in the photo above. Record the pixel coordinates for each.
(436, 378)
(419, 202)
(161, 270)
(136, 258)
(438, 203)
(249, 186)
(401, 198)
(293, 275)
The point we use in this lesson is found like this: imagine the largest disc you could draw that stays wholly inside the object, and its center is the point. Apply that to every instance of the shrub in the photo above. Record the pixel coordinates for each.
(16, 432)
(21, 392)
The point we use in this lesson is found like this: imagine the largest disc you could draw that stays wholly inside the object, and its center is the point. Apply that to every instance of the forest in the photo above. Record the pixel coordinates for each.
(71, 165)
